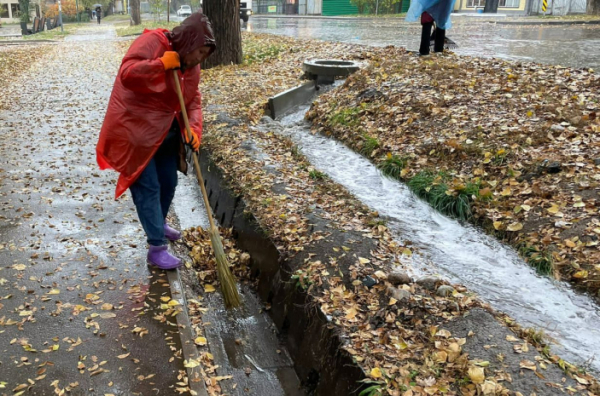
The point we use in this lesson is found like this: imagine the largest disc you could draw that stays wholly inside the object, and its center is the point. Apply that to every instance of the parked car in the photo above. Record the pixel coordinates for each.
(184, 11)
(245, 9)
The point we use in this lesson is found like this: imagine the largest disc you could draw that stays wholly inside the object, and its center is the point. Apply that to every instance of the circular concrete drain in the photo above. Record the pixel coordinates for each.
(328, 69)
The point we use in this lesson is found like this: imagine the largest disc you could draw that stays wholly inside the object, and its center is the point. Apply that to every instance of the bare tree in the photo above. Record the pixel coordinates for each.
(225, 18)
(593, 7)
(135, 12)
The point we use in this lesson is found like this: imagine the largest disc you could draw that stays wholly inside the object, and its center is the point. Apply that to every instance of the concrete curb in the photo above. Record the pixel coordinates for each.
(547, 23)
(21, 42)
(341, 18)
(190, 352)
(285, 101)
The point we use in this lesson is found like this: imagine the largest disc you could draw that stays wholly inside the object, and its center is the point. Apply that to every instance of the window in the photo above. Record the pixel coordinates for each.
(477, 3)
(509, 3)
(3, 10)
(15, 10)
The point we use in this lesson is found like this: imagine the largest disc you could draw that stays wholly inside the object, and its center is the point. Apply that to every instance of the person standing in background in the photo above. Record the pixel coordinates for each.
(430, 11)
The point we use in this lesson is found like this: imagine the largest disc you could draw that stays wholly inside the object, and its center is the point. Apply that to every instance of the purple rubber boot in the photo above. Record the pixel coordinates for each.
(160, 257)
(171, 234)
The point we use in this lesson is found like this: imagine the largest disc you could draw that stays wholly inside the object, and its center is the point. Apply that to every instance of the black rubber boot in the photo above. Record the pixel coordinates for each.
(440, 38)
(425, 38)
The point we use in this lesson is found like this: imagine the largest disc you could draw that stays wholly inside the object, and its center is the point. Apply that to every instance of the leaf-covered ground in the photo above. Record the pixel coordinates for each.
(15, 60)
(514, 147)
(401, 345)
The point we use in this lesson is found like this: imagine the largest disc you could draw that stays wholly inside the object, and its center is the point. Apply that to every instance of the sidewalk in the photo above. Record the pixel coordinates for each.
(79, 309)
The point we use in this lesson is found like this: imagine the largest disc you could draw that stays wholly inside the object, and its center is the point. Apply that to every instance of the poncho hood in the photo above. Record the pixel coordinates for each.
(193, 33)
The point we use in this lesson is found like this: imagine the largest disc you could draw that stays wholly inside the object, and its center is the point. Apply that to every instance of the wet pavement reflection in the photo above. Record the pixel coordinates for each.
(575, 45)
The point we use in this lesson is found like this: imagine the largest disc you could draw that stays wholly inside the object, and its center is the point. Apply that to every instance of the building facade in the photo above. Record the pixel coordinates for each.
(9, 11)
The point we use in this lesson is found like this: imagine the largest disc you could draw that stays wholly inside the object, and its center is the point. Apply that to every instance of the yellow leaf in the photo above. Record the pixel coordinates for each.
(165, 299)
(200, 341)
(570, 243)
(363, 260)
(123, 356)
(407, 252)
(19, 267)
(530, 113)
(497, 225)
(553, 209)
(506, 192)
(580, 274)
(376, 373)
(441, 357)
(54, 291)
(477, 375)
(174, 303)
(209, 288)
(55, 347)
(515, 227)
(191, 363)
(351, 313)
(106, 307)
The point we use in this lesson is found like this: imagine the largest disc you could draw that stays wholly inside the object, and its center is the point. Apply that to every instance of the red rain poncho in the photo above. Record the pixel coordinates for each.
(144, 103)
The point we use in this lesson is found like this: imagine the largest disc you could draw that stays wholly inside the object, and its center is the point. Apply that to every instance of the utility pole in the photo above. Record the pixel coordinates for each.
(77, 10)
(168, 11)
(60, 16)
(377, 8)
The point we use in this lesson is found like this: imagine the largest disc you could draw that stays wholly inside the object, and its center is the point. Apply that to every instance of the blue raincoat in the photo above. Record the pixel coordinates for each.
(440, 10)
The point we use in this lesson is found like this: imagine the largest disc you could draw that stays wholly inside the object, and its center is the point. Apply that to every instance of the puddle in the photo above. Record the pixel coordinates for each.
(459, 252)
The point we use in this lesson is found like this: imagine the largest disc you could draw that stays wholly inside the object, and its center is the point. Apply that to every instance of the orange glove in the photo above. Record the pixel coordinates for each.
(194, 142)
(170, 60)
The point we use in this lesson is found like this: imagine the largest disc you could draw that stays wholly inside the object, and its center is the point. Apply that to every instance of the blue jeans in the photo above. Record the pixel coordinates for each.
(154, 190)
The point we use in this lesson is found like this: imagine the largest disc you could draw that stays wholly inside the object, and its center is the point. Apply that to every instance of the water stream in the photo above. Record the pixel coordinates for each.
(461, 253)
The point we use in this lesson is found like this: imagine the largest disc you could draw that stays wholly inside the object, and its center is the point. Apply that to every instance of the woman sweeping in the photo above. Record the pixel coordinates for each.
(141, 137)
(430, 11)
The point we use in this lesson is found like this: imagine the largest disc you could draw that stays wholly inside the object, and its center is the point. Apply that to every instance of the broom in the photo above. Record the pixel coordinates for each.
(228, 285)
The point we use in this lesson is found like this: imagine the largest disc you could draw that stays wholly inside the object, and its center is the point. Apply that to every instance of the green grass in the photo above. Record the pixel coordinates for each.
(433, 188)
(373, 390)
(541, 261)
(116, 18)
(316, 175)
(392, 166)
(256, 51)
(370, 144)
(127, 30)
(345, 117)
(55, 34)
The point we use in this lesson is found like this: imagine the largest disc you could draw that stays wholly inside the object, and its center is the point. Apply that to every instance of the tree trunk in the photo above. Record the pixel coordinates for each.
(593, 7)
(135, 12)
(225, 18)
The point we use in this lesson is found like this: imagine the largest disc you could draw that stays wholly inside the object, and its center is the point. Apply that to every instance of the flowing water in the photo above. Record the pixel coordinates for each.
(462, 253)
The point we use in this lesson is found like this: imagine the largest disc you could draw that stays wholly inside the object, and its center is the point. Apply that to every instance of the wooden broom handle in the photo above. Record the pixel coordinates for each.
(195, 156)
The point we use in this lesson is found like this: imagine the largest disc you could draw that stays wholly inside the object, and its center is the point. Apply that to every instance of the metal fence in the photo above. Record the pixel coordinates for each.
(558, 7)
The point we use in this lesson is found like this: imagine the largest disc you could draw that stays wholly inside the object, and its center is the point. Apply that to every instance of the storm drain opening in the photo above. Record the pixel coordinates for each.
(321, 73)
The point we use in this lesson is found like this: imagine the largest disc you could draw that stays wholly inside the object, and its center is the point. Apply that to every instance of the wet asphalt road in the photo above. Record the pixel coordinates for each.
(79, 308)
(575, 46)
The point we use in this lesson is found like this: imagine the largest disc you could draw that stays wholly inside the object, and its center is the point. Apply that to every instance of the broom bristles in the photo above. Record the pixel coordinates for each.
(228, 284)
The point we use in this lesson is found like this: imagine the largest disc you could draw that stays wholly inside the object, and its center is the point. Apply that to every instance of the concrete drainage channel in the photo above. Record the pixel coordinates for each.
(301, 354)
(294, 351)
(319, 72)
(321, 364)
